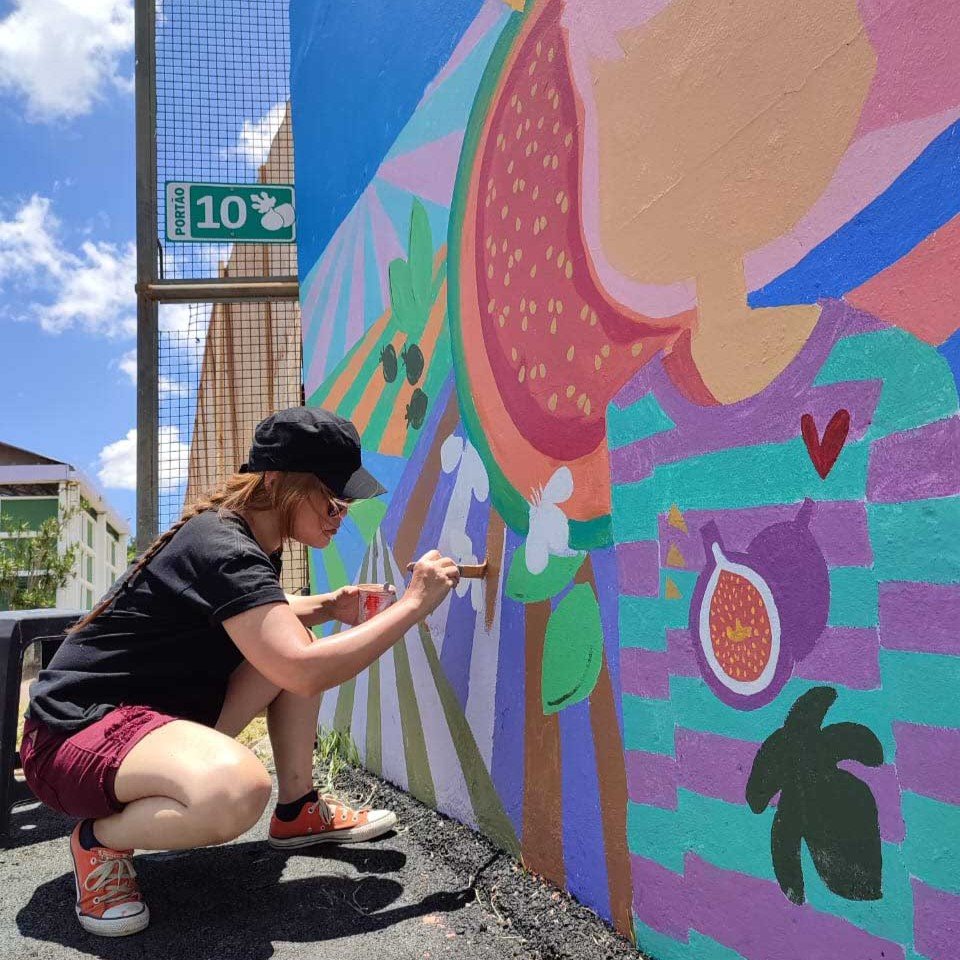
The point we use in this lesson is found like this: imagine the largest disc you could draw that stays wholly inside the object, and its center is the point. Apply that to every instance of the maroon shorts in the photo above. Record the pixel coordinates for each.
(74, 773)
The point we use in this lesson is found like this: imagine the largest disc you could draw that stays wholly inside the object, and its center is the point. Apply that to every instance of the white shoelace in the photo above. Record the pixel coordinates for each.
(118, 871)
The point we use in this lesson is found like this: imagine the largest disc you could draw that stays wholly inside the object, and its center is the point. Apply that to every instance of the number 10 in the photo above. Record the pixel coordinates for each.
(230, 222)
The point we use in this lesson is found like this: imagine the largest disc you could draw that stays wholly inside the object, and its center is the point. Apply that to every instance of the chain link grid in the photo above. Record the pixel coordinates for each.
(222, 82)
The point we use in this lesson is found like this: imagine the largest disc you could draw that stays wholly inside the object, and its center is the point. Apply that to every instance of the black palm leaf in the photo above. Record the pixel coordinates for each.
(830, 809)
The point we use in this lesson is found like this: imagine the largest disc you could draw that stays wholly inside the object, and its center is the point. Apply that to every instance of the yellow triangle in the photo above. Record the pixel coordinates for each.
(675, 557)
(672, 591)
(675, 519)
(516, 4)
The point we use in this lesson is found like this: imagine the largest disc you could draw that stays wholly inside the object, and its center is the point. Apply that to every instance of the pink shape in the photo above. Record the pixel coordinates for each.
(429, 171)
(386, 244)
(916, 42)
(652, 779)
(355, 312)
(936, 921)
(921, 291)
(314, 283)
(645, 673)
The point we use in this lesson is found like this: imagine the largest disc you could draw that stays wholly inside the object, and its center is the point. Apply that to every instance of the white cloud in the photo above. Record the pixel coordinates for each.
(257, 135)
(118, 461)
(63, 55)
(168, 387)
(92, 288)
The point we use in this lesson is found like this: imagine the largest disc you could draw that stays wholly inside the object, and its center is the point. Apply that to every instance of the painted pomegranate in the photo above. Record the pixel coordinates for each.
(539, 347)
(755, 614)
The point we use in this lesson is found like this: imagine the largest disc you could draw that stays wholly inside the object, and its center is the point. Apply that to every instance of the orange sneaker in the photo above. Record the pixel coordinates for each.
(329, 821)
(108, 897)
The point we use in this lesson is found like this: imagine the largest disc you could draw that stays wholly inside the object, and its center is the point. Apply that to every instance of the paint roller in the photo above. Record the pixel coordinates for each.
(467, 571)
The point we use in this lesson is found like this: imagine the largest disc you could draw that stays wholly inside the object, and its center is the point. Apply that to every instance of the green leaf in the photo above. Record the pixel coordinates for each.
(850, 741)
(843, 835)
(785, 851)
(810, 709)
(527, 587)
(401, 295)
(572, 650)
(420, 255)
(770, 771)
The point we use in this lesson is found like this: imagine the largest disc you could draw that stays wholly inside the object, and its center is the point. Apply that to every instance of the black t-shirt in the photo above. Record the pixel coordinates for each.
(161, 642)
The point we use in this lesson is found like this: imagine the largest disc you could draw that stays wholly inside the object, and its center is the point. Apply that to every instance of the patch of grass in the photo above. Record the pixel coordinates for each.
(334, 752)
(254, 732)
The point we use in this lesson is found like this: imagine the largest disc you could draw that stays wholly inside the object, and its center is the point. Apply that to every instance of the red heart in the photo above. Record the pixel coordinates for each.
(824, 453)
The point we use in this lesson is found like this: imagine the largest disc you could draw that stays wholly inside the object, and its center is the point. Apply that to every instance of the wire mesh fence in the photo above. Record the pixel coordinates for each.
(222, 83)
(220, 375)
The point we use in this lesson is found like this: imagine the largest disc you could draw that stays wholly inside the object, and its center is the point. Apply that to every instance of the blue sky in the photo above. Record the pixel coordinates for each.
(67, 228)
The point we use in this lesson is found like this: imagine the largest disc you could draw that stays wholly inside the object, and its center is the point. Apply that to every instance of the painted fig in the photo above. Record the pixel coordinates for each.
(755, 614)
(413, 361)
(388, 358)
(416, 409)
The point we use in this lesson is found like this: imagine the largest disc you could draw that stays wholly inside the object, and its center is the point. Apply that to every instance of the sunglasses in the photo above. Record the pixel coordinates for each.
(335, 506)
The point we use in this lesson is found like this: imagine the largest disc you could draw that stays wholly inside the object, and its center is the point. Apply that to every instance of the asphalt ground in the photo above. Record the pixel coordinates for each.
(433, 889)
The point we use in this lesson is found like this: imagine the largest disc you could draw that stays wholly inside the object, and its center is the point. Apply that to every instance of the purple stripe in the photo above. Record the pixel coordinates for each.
(928, 761)
(936, 922)
(840, 529)
(652, 779)
(646, 673)
(508, 741)
(885, 787)
(683, 656)
(659, 898)
(846, 656)
(714, 429)
(714, 766)
(753, 917)
(916, 464)
(638, 565)
(920, 617)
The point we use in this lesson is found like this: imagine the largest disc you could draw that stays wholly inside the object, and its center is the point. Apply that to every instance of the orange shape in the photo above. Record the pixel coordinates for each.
(675, 519)
(675, 557)
(672, 591)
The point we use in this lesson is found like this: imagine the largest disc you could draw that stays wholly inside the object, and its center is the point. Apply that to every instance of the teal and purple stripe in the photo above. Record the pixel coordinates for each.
(928, 761)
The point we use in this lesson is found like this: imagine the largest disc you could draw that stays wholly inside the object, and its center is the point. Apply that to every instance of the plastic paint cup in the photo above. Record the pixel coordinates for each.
(374, 599)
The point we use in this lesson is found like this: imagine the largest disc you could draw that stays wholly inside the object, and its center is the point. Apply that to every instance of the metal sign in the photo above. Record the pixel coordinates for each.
(230, 213)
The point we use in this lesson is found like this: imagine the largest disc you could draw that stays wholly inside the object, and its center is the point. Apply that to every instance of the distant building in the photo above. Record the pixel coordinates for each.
(34, 488)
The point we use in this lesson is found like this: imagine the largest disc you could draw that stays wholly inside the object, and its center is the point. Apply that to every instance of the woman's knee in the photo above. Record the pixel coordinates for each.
(234, 792)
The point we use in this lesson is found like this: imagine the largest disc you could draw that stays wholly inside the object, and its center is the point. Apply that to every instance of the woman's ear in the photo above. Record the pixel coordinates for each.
(270, 480)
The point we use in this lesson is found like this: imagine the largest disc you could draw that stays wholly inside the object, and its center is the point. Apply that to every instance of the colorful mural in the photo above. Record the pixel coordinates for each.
(653, 305)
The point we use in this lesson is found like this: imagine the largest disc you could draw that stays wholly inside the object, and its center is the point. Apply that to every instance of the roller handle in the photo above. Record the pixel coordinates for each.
(468, 571)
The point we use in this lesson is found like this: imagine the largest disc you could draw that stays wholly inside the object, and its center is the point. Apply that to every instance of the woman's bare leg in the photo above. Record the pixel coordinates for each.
(185, 785)
(291, 722)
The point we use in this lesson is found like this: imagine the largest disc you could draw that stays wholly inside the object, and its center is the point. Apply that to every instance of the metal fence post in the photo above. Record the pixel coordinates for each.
(148, 400)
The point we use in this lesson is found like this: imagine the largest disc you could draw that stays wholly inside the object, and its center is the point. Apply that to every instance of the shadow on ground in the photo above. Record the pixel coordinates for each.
(235, 901)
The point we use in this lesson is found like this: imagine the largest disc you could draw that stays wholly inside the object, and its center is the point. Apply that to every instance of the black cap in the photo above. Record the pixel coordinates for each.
(312, 440)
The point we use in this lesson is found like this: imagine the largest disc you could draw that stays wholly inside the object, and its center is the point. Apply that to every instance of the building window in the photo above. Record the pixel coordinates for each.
(33, 511)
(88, 599)
(89, 533)
(89, 568)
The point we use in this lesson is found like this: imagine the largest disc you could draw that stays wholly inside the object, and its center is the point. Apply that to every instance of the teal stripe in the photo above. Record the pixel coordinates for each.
(917, 385)
(917, 540)
(854, 598)
(645, 620)
(697, 708)
(729, 835)
(706, 948)
(921, 687)
(637, 422)
(930, 847)
(763, 475)
(648, 725)
(890, 917)
(653, 832)
(653, 943)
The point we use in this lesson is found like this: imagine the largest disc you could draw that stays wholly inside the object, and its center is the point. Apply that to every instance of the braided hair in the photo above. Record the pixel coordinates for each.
(241, 491)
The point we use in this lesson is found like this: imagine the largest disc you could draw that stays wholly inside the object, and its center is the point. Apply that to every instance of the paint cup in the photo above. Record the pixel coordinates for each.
(374, 599)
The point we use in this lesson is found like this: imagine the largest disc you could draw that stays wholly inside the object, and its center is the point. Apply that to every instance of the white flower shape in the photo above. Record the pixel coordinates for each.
(461, 550)
(549, 528)
(471, 484)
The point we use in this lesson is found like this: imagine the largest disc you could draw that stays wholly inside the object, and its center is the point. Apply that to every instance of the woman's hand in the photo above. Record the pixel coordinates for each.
(344, 604)
(434, 576)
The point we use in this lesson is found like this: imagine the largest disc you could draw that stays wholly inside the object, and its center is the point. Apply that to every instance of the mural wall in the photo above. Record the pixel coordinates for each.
(654, 305)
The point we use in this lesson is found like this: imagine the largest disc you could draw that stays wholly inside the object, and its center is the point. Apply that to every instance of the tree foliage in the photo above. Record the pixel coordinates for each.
(32, 564)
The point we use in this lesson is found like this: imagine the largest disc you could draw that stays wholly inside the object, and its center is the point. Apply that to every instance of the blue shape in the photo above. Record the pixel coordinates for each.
(373, 304)
(924, 197)
(448, 107)
(399, 204)
(950, 351)
(584, 862)
(358, 71)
